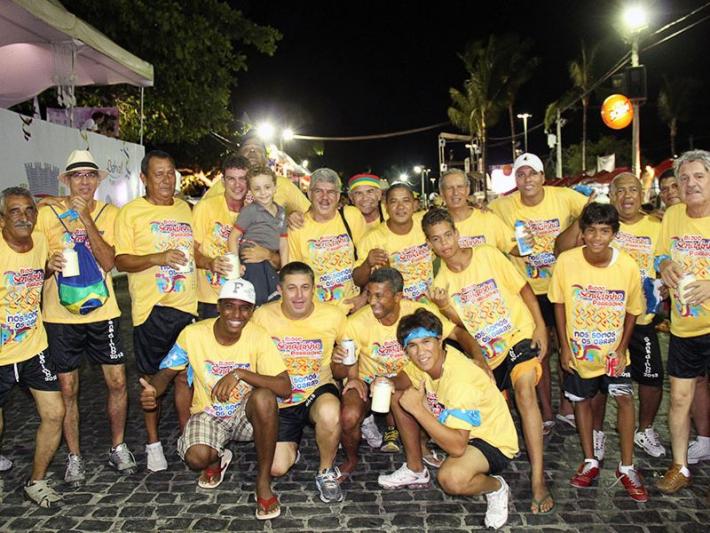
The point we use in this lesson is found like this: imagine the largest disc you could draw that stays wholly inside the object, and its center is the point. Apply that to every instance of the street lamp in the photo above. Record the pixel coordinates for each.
(265, 131)
(304, 163)
(404, 178)
(422, 172)
(635, 21)
(525, 117)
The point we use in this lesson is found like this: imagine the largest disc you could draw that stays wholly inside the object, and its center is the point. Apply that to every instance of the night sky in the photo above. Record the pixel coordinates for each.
(370, 67)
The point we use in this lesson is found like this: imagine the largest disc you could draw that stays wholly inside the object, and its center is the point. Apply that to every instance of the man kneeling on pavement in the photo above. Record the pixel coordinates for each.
(237, 373)
(459, 406)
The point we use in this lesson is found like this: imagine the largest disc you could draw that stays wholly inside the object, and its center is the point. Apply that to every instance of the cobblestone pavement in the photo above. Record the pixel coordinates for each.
(170, 500)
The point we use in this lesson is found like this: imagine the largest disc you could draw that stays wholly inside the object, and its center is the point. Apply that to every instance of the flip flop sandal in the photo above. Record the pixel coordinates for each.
(567, 419)
(547, 426)
(267, 509)
(434, 459)
(538, 504)
(215, 476)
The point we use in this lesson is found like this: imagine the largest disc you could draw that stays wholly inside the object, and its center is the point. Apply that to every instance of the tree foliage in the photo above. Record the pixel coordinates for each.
(606, 145)
(197, 48)
(675, 104)
(581, 72)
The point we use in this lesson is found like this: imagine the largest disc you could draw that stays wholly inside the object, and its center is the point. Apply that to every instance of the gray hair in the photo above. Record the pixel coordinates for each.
(451, 172)
(702, 156)
(612, 185)
(14, 191)
(326, 175)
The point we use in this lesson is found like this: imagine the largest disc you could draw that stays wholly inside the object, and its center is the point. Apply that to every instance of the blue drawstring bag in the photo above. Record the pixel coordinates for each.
(88, 291)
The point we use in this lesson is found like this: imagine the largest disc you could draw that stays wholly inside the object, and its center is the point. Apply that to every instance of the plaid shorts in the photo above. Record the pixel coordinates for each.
(203, 428)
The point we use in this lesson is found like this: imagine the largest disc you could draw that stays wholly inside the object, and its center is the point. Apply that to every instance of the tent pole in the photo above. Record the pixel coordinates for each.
(141, 134)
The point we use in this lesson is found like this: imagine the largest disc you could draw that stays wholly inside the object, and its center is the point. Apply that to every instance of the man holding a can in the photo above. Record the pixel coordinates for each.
(305, 333)
(683, 259)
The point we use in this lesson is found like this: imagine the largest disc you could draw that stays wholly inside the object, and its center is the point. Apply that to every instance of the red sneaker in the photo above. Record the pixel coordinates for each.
(585, 476)
(633, 485)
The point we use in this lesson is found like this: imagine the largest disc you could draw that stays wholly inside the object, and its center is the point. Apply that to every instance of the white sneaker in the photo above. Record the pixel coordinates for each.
(699, 450)
(156, 457)
(5, 464)
(403, 477)
(650, 442)
(497, 511)
(371, 432)
(599, 445)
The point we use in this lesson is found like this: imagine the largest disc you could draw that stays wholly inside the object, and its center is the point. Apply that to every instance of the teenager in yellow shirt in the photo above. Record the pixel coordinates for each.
(481, 290)
(399, 242)
(596, 290)
(684, 249)
(444, 393)
(237, 374)
(305, 333)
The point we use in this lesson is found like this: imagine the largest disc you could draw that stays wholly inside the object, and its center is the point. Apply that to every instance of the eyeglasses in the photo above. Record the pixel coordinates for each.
(91, 175)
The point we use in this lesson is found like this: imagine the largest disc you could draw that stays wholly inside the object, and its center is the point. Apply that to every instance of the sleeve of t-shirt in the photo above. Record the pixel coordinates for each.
(341, 326)
(177, 358)
(577, 201)
(107, 224)
(245, 218)
(504, 236)
(555, 292)
(123, 233)
(663, 246)
(269, 361)
(294, 199)
(634, 302)
(505, 271)
(198, 226)
(465, 398)
(497, 207)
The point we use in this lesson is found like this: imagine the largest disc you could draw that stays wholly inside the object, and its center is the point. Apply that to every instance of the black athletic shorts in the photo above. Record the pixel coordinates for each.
(689, 357)
(153, 339)
(205, 310)
(100, 341)
(521, 352)
(547, 308)
(497, 461)
(34, 373)
(293, 419)
(577, 388)
(646, 364)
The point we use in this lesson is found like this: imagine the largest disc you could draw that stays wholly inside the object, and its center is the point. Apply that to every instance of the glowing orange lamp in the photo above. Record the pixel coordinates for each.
(617, 111)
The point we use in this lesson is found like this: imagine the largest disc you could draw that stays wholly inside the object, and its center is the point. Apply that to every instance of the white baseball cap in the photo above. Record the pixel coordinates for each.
(238, 289)
(528, 160)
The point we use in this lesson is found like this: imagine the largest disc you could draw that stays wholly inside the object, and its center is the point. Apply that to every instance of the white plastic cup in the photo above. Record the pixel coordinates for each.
(187, 253)
(351, 357)
(683, 285)
(381, 395)
(233, 260)
(71, 265)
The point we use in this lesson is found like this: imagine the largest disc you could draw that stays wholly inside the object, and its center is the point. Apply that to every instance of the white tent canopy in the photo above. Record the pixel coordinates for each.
(43, 45)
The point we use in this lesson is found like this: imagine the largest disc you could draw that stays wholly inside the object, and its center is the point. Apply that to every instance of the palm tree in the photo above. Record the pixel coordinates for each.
(675, 102)
(581, 72)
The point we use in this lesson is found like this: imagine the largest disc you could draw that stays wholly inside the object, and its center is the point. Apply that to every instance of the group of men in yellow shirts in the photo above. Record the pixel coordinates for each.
(264, 374)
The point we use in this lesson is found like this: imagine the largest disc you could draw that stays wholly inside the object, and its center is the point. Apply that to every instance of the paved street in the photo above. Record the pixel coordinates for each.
(171, 500)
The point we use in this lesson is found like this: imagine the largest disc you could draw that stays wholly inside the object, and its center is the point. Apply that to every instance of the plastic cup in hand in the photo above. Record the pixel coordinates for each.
(233, 260)
(71, 263)
(381, 395)
(682, 287)
(186, 252)
(351, 357)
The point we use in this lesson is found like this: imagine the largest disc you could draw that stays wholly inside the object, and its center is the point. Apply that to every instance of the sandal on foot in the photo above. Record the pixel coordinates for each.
(567, 419)
(547, 427)
(434, 459)
(267, 508)
(537, 505)
(212, 478)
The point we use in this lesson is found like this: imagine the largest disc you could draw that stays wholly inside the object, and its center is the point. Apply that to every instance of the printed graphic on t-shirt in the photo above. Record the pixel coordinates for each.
(171, 235)
(471, 241)
(302, 358)
(415, 265)
(640, 248)
(21, 304)
(332, 258)
(598, 321)
(388, 357)
(483, 311)
(216, 370)
(692, 252)
(539, 263)
(220, 234)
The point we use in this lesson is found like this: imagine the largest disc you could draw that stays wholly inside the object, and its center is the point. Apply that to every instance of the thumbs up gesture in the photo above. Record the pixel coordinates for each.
(149, 396)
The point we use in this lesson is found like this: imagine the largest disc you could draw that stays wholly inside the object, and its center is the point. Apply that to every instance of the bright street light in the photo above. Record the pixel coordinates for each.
(403, 177)
(418, 169)
(525, 117)
(304, 163)
(266, 131)
(635, 18)
(287, 134)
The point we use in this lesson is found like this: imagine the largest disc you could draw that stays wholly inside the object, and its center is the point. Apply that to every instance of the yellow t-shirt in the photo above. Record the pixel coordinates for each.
(22, 334)
(143, 228)
(379, 353)
(546, 220)
(209, 361)
(639, 240)
(410, 254)
(305, 345)
(212, 222)
(686, 241)
(466, 388)
(485, 227)
(328, 249)
(596, 302)
(486, 296)
(287, 194)
(58, 239)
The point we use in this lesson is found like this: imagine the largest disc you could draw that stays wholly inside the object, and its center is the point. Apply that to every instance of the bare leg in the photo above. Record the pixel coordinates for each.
(116, 401)
(583, 418)
(262, 412)
(700, 409)
(409, 433)
(69, 385)
(351, 416)
(284, 457)
(49, 433)
(183, 399)
(682, 391)
(544, 391)
(467, 475)
(151, 420)
(325, 415)
(201, 456)
(625, 421)
(649, 402)
(598, 411)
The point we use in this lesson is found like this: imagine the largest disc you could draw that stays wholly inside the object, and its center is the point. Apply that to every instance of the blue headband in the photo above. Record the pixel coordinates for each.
(418, 333)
